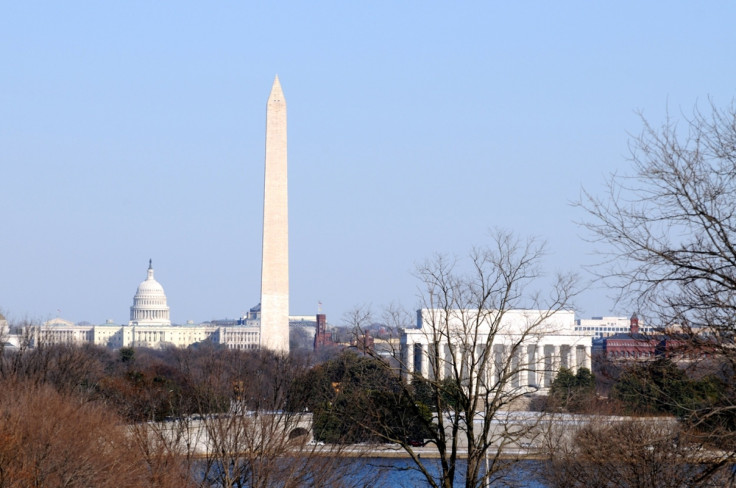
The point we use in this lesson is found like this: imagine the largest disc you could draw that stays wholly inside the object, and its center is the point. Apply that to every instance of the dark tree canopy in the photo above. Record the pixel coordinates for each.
(357, 398)
(572, 392)
(661, 387)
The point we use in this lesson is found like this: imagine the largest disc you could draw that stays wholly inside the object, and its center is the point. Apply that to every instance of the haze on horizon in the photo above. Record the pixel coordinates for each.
(134, 130)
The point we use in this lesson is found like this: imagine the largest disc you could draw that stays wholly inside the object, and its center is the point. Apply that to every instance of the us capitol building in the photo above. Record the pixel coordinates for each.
(150, 326)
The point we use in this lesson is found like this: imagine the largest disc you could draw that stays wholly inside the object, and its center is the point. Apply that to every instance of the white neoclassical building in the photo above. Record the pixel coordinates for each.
(149, 326)
(527, 346)
(149, 303)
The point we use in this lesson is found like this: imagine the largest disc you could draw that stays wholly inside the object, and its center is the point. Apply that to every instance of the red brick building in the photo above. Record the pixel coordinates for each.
(637, 346)
(321, 337)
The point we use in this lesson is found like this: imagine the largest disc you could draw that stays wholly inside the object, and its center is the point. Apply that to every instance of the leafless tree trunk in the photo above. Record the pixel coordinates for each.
(167, 451)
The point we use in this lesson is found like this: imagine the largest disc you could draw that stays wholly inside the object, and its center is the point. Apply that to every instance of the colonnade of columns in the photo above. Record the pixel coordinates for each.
(150, 336)
(532, 365)
(150, 314)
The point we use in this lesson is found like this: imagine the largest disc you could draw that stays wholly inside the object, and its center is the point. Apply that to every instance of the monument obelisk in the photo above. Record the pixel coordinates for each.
(275, 258)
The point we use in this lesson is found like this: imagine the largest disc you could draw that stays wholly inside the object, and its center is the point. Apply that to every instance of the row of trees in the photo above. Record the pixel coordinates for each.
(255, 434)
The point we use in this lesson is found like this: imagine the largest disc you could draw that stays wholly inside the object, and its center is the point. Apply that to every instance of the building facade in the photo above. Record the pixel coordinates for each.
(534, 343)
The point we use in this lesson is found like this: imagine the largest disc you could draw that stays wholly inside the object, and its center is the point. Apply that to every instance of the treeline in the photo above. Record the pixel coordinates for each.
(149, 385)
(89, 416)
(80, 416)
(700, 394)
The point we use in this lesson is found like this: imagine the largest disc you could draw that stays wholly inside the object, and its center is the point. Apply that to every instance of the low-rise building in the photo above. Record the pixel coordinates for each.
(672, 342)
(599, 327)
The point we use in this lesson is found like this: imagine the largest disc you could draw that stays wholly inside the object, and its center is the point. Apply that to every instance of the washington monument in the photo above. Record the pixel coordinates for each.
(275, 258)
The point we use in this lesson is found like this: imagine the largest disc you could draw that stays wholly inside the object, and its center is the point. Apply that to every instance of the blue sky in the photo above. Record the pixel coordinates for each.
(135, 130)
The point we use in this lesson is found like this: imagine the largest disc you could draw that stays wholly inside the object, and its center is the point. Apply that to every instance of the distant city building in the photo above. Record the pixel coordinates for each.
(629, 344)
(364, 342)
(7, 340)
(253, 317)
(635, 345)
(322, 338)
(599, 327)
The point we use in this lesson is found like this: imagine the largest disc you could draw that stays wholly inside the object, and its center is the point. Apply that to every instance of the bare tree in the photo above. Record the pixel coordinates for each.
(357, 320)
(481, 329)
(202, 417)
(51, 439)
(668, 236)
(68, 367)
(668, 230)
(4, 331)
(166, 450)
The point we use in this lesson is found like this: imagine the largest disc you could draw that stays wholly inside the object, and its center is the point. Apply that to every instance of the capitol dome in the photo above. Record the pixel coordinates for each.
(149, 303)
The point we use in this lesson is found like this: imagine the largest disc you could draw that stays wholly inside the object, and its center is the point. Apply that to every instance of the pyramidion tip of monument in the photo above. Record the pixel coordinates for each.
(276, 91)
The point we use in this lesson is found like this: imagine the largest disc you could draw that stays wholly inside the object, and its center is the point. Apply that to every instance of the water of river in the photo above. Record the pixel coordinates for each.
(403, 473)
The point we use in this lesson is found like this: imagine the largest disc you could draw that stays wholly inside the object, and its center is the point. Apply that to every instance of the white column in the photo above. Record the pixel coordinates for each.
(531, 361)
(450, 354)
(515, 361)
(425, 360)
(539, 361)
(440, 362)
(491, 368)
(409, 360)
(499, 358)
(485, 374)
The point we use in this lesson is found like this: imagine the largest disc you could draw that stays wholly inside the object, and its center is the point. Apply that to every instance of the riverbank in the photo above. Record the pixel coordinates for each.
(396, 452)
